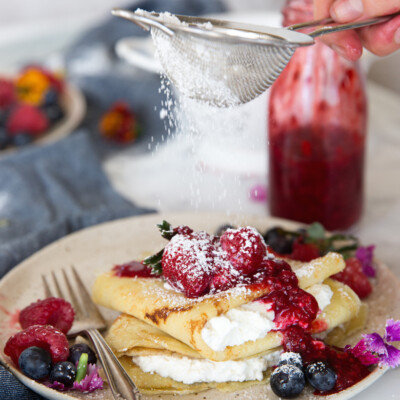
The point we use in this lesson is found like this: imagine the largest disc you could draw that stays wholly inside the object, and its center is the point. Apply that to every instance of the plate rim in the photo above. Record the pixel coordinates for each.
(217, 216)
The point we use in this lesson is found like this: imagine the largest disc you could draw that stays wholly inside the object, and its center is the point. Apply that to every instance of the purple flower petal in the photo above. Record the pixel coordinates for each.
(91, 381)
(56, 385)
(392, 359)
(374, 343)
(258, 193)
(366, 255)
(361, 352)
(392, 331)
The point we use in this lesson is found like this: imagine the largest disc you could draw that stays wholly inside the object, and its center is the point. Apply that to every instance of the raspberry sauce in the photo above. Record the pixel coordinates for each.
(317, 129)
(349, 370)
(133, 269)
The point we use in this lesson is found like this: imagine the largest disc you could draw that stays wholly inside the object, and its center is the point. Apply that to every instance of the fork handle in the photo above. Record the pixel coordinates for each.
(121, 385)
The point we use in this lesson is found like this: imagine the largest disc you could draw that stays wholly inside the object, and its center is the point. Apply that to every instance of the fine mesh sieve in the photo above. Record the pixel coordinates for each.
(226, 63)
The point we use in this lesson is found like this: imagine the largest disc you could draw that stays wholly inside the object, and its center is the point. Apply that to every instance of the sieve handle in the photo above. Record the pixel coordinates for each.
(328, 25)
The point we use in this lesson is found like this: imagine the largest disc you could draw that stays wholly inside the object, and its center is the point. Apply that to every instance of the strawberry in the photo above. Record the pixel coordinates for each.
(27, 119)
(187, 263)
(354, 277)
(245, 248)
(225, 276)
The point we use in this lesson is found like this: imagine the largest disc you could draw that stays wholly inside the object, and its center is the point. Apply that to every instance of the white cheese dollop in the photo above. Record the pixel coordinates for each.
(191, 370)
(248, 322)
(322, 293)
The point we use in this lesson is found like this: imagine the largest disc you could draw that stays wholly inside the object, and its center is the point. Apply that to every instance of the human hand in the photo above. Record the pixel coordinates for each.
(381, 39)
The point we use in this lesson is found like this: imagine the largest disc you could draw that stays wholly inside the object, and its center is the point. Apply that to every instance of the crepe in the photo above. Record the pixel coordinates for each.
(130, 337)
(183, 318)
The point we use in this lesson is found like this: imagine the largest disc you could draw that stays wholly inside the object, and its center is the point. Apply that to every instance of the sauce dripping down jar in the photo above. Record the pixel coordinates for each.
(317, 134)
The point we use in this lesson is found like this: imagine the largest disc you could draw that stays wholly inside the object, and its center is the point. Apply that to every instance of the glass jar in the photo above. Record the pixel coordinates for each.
(317, 133)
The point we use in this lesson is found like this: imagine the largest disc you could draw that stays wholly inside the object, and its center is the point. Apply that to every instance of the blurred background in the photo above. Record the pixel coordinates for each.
(33, 28)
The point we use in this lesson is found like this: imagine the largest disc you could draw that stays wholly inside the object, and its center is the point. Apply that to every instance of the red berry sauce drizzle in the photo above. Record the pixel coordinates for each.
(349, 369)
(133, 269)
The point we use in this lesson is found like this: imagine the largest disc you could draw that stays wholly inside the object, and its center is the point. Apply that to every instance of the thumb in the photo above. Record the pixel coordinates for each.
(350, 10)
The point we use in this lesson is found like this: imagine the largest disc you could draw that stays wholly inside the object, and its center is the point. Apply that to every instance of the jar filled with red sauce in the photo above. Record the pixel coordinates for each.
(317, 134)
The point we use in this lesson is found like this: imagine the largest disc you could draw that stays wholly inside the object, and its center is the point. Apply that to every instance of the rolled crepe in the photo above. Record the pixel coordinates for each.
(130, 337)
(183, 319)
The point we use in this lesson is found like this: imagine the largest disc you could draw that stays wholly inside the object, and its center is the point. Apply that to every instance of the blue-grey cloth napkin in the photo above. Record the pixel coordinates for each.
(48, 192)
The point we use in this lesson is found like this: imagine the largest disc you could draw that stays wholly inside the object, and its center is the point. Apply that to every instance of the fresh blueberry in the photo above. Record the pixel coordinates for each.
(22, 139)
(51, 97)
(76, 350)
(287, 381)
(221, 229)
(35, 362)
(279, 240)
(291, 359)
(321, 376)
(53, 112)
(64, 372)
(5, 140)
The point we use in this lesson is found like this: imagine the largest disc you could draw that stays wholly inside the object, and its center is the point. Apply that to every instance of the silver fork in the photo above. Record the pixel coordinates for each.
(88, 321)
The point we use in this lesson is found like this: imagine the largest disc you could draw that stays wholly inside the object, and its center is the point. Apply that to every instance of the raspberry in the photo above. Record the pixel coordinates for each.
(187, 263)
(46, 337)
(7, 93)
(52, 311)
(245, 248)
(27, 119)
(304, 251)
(354, 277)
(292, 307)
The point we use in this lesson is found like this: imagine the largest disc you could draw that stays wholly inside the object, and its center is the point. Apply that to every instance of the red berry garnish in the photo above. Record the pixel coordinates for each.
(27, 119)
(225, 276)
(354, 277)
(183, 230)
(52, 311)
(245, 247)
(188, 262)
(304, 251)
(45, 336)
(7, 93)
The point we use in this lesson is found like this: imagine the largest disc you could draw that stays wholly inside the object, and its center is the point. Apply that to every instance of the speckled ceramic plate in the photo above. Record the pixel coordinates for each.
(97, 249)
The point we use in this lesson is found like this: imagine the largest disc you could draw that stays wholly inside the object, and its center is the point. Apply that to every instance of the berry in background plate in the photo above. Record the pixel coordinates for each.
(279, 240)
(5, 140)
(52, 311)
(28, 119)
(245, 248)
(304, 251)
(35, 363)
(63, 372)
(21, 139)
(321, 376)
(47, 337)
(76, 350)
(287, 381)
(7, 93)
(53, 112)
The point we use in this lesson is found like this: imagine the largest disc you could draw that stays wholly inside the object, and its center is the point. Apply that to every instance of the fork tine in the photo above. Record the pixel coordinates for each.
(85, 297)
(47, 290)
(79, 312)
(58, 292)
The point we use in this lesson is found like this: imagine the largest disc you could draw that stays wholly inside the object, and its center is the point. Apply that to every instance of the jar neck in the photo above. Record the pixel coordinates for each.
(297, 11)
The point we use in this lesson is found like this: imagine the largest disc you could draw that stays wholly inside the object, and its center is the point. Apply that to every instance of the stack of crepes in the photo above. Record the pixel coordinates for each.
(160, 335)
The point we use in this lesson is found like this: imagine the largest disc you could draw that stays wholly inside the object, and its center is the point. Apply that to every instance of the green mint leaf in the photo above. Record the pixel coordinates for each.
(154, 262)
(316, 231)
(166, 230)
